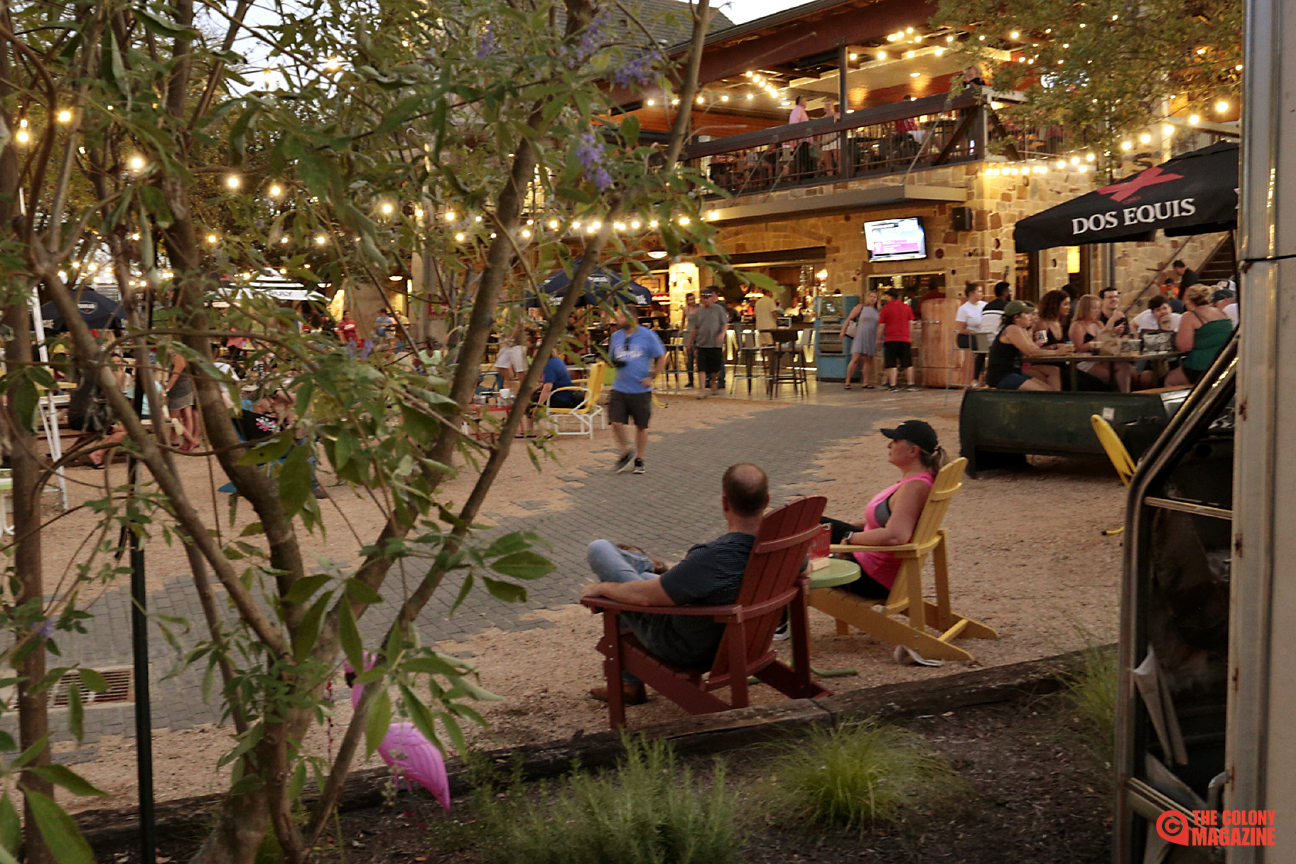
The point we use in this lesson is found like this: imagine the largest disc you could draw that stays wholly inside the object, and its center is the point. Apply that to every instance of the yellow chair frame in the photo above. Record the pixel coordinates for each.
(906, 598)
(1116, 452)
(588, 408)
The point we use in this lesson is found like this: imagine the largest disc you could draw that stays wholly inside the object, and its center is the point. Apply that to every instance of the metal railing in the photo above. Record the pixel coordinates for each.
(944, 129)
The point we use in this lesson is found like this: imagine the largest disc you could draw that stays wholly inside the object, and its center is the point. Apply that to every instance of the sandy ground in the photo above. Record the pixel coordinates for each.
(1027, 558)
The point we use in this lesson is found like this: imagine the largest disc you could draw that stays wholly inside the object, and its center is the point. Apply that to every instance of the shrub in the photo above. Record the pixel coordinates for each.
(648, 810)
(1093, 692)
(857, 777)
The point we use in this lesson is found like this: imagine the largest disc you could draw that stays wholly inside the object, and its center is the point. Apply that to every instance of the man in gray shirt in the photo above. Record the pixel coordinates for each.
(707, 338)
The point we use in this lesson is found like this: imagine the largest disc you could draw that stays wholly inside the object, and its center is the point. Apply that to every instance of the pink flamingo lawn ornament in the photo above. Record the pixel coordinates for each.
(407, 752)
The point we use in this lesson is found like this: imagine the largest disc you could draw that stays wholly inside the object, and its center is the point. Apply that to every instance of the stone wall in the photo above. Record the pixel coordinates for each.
(986, 253)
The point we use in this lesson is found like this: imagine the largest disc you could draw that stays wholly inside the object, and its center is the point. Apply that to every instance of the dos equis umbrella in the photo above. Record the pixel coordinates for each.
(1196, 193)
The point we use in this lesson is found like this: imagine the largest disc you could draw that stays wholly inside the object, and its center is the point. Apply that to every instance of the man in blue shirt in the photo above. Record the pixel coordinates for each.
(710, 575)
(639, 357)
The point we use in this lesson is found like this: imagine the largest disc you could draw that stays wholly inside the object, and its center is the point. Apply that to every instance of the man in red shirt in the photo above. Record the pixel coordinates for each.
(893, 333)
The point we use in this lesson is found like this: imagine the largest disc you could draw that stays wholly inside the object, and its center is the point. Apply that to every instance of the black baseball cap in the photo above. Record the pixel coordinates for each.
(915, 432)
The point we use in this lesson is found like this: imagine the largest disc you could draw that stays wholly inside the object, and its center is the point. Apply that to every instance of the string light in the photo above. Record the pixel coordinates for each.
(212, 238)
(1167, 130)
(636, 225)
(232, 181)
(275, 191)
(387, 209)
(320, 240)
(684, 221)
(65, 116)
(526, 234)
(450, 216)
(1194, 119)
(1013, 35)
(1127, 145)
(460, 237)
(553, 224)
(651, 102)
(1221, 107)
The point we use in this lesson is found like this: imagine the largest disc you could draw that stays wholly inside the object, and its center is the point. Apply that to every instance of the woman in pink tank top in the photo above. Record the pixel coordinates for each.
(890, 518)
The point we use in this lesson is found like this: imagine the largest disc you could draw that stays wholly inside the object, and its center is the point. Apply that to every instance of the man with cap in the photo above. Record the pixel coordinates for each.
(1225, 300)
(710, 326)
(891, 516)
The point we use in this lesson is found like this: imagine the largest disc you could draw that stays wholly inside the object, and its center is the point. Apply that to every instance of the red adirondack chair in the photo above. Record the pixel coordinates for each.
(771, 582)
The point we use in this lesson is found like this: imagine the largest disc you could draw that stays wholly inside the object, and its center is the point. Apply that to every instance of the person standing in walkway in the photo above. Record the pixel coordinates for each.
(764, 313)
(639, 357)
(897, 348)
(710, 327)
(690, 308)
(863, 340)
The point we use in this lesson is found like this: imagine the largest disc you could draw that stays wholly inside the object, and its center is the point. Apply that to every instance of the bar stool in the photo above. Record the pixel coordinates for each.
(746, 356)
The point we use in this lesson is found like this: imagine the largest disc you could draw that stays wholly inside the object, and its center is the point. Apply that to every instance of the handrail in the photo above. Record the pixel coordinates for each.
(775, 135)
(1174, 256)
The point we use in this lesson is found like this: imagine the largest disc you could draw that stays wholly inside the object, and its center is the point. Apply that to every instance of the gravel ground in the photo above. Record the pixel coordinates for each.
(1027, 558)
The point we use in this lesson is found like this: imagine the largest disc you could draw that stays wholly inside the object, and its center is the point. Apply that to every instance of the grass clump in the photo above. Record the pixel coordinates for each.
(858, 777)
(648, 810)
(1093, 693)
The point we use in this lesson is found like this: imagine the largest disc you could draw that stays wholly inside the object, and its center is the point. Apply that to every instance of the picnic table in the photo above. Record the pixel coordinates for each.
(1073, 361)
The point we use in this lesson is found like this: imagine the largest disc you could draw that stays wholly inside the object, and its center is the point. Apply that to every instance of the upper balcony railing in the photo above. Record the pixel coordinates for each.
(944, 129)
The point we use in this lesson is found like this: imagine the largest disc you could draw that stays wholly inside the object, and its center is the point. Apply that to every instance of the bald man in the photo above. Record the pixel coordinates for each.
(710, 575)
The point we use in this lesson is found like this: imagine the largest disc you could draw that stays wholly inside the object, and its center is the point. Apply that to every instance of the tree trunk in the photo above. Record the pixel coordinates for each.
(33, 715)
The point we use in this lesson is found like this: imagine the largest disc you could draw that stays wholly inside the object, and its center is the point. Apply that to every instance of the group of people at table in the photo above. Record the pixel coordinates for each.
(1026, 342)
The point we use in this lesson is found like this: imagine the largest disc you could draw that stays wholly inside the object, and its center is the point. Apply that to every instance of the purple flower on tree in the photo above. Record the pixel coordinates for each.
(637, 71)
(486, 45)
(590, 155)
(593, 38)
(46, 630)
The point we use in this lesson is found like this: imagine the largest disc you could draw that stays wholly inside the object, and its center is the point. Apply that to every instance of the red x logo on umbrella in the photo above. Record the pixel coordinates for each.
(1120, 192)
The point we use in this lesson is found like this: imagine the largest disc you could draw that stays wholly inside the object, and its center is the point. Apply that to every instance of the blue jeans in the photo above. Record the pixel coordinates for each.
(657, 633)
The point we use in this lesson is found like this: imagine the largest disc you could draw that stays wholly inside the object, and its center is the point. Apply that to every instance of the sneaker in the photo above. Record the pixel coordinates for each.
(915, 387)
(623, 462)
(638, 469)
(783, 632)
(704, 393)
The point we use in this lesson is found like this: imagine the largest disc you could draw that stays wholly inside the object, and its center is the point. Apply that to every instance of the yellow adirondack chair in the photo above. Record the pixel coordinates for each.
(586, 411)
(1116, 452)
(885, 622)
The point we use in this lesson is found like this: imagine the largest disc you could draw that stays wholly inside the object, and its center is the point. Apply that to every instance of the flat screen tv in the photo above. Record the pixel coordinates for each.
(895, 239)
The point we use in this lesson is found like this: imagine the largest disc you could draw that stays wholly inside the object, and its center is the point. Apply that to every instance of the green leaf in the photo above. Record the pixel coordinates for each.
(61, 775)
(10, 828)
(380, 715)
(295, 480)
(342, 449)
(270, 450)
(506, 591)
(523, 565)
(93, 681)
(505, 545)
(630, 130)
(26, 402)
(249, 739)
(464, 591)
(76, 712)
(361, 592)
(420, 715)
(350, 635)
(304, 588)
(7, 743)
(421, 427)
(58, 829)
(156, 204)
(308, 630)
(456, 734)
(431, 666)
(159, 25)
(30, 753)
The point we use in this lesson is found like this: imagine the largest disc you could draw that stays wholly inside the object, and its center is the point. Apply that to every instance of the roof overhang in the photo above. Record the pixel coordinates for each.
(837, 202)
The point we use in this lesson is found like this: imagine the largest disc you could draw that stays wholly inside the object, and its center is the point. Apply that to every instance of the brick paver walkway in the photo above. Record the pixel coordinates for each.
(665, 510)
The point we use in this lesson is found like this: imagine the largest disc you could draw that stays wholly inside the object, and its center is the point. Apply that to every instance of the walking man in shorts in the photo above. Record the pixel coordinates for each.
(710, 326)
(893, 333)
(639, 357)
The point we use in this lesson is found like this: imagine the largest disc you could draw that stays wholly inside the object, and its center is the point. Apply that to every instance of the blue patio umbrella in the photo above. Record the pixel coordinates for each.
(602, 286)
(98, 312)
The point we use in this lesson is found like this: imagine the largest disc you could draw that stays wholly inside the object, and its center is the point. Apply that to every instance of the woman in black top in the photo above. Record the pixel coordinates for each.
(1015, 343)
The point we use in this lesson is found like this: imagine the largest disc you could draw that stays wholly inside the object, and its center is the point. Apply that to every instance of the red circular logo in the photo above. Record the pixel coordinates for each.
(1173, 827)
